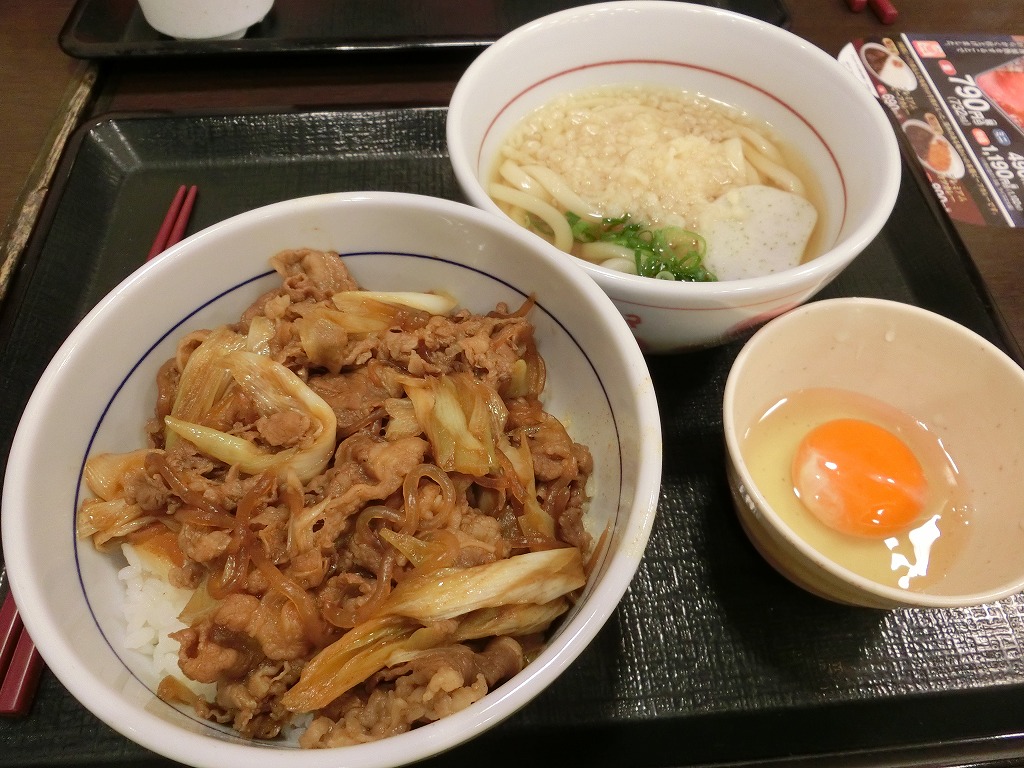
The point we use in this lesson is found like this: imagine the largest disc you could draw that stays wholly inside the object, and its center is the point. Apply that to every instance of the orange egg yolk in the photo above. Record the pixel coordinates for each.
(858, 478)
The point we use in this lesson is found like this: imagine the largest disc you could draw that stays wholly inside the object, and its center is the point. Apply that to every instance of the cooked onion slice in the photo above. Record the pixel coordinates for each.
(105, 473)
(272, 388)
(512, 620)
(462, 419)
(363, 650)
(534, 577)
(203, 379)
(420, 613)
(434, 303)
(534, 522)
(108, 520)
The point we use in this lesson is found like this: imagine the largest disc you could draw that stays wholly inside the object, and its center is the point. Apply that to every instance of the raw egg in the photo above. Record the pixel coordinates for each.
(863, 483)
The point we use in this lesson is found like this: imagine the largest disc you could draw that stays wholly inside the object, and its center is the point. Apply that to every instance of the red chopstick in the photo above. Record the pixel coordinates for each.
(20, 662)
(21, 678)
(883, 9)
(10, 626)
(173, 227)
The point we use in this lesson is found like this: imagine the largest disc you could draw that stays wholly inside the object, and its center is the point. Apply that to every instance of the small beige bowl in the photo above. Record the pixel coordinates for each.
(961, 386)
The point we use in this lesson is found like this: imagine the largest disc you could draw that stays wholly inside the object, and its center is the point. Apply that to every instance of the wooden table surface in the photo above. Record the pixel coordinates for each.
(40, 79)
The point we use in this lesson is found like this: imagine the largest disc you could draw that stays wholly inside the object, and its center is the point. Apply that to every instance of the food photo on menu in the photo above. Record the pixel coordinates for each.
(959, 102)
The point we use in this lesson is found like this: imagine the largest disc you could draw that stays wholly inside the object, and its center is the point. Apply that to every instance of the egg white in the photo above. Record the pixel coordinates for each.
(915, 558)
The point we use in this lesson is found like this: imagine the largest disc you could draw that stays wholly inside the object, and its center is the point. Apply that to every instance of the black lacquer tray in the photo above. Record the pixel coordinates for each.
(712, 658)
(105, 29)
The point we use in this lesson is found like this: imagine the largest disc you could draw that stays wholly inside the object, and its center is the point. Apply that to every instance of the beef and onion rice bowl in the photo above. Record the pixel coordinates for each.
(243, 501)
(358, 502)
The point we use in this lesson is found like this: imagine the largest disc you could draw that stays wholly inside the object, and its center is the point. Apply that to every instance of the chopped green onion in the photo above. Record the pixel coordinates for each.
(670, 253)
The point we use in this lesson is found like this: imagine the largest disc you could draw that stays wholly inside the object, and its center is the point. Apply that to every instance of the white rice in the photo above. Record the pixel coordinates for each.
(151, 609)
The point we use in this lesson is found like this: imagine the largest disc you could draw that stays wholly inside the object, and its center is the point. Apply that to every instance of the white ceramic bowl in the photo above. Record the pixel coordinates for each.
(99, 389)
(204, 19)
(965, 390)
(812, 100)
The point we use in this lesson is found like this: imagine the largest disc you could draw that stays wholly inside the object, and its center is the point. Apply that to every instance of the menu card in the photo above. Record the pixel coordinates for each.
(959, 100)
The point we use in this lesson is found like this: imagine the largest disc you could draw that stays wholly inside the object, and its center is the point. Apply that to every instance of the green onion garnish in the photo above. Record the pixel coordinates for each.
(667, 253)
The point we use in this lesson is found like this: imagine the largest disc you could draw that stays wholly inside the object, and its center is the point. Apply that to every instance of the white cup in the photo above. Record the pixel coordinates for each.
(204, 19)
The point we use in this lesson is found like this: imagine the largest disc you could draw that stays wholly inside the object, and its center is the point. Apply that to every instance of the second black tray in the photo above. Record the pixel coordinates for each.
(711, 658)
(116, 29)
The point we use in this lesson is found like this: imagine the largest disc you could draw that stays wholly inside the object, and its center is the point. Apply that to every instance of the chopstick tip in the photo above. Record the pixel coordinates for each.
(175, 220)
(885, 10)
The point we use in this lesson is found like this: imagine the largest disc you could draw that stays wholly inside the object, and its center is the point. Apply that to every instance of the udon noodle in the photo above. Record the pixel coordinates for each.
(373, 517)
(656, 160)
